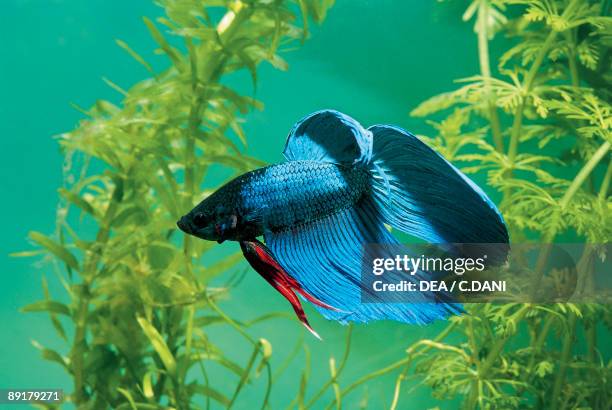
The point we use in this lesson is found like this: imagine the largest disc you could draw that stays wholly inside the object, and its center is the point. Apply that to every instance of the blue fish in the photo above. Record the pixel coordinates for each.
(340, 186)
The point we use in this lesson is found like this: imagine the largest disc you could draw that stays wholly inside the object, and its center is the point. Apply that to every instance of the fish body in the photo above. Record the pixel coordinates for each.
(341, 187)
(284, 196)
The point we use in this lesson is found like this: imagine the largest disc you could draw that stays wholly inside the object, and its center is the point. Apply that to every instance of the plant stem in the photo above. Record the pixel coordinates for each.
(584, 173)
(590, 330)
(398, 384)
(585, 268)
(571, 58)
(485, 71)
(334, 377)
(499, 346)
(210, 73)
(77, 351)
(395, 365)
(527, 86)
(472, 340)
(473, 397)
(549, 235)
(244, 378)
(605, 184)
(568, 341)
(536, 348)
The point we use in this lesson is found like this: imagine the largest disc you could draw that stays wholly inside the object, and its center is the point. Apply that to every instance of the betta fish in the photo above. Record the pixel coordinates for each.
(341, 187)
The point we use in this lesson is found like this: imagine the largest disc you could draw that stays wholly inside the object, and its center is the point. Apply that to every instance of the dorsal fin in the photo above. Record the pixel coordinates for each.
(329, 136)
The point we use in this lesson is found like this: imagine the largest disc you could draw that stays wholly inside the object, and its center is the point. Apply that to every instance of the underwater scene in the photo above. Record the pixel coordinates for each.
(306, 204)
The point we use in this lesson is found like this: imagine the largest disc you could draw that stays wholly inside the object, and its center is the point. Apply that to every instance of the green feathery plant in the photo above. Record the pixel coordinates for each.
(545, 115)
(135, 319)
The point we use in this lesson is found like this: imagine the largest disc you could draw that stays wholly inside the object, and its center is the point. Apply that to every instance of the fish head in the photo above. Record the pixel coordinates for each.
(210, 221)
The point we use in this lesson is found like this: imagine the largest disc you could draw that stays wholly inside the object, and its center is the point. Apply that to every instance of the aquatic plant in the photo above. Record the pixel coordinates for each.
(539, 126)
(135, 339)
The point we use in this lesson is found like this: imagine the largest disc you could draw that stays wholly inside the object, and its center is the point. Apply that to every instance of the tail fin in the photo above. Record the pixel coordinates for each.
(420, 193)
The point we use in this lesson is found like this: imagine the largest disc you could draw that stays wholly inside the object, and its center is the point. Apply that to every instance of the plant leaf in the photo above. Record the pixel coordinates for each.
(56, 249)
(50, 306)
(159, 344)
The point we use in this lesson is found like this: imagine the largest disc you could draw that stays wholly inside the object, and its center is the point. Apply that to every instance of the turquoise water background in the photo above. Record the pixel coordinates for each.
(374, 60)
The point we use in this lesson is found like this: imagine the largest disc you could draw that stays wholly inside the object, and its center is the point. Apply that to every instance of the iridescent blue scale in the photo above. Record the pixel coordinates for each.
(286, 195)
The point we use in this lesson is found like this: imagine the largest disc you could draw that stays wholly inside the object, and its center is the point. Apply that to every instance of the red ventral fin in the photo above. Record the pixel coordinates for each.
(262, 260)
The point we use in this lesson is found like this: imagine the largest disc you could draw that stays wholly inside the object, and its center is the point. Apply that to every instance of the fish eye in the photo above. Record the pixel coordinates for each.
(199, 219)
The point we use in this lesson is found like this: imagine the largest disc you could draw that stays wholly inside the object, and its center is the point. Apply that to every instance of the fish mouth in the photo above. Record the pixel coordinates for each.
(184, 225)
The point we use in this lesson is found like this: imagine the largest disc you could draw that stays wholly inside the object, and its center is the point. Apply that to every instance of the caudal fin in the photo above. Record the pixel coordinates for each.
(420, 193)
